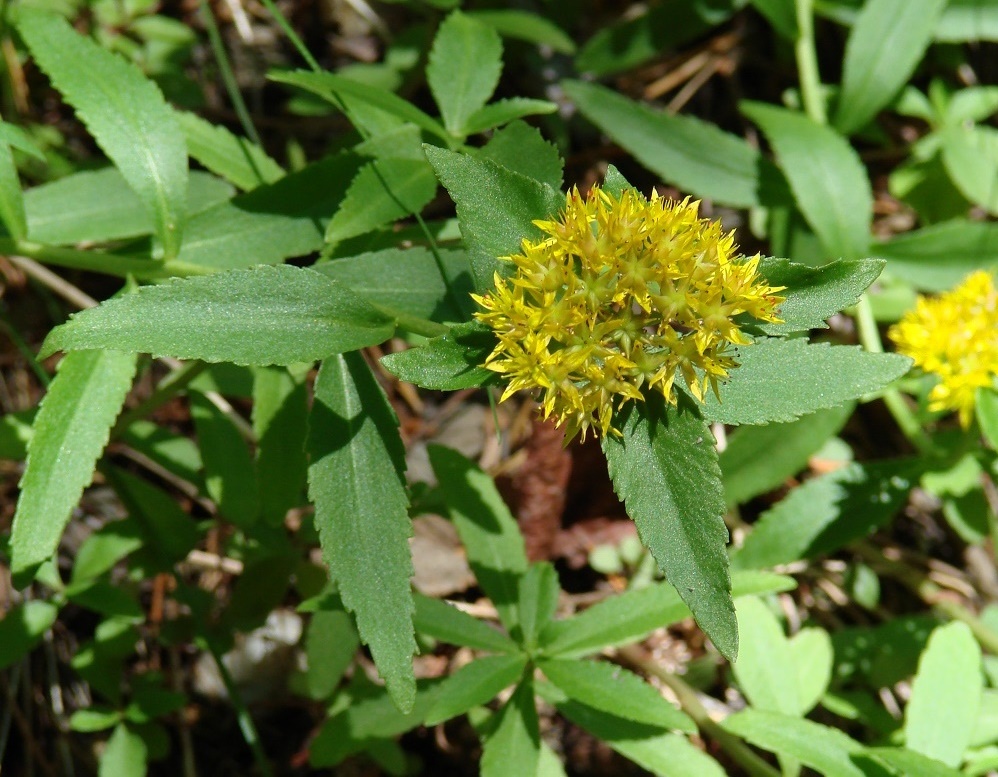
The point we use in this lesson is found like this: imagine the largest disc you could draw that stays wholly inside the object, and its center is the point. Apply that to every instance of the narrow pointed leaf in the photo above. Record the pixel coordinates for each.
(356, 480)
(229, 156)
(474, 684)
(11, 198)
(504, 111)
(937, 257)
(280, 422)
(527, 26)
(446, 622)
(513, 746)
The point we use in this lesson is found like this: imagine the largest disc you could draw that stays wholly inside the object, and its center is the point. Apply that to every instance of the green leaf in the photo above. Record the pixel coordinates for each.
(235, 159)
(910, 763)
(733, 173)
(11, 198)
(90, 720)
(124, 111)
(513, 746)
(826, 176)
(446, 363)
(23, 627)
(356, 480)
(987, 414)
(174, 452)
(330, 645)
(273, 222)
(106, 547)
(945, 695)
(937, 257)
(815, 293)
(765, 669)
(971, 158)
(827, 512)
(522, 149)
(887, 41)
(409, 280)
(125, 754)
(631, 616)
(266, 315)
(229, 473)
(473, 685)
(488, 531)
(280, 423)
(504, 111)
(495, 206)
(824, 749)
(15, 434)
(781, 380)
(97, 206)
(664, 467)
(665, 755)
(781, 14)
(757, 459)
(445, 622)
(70, 432)
(813, 658)
(615, 690)
(527, 26)
(463, 69)
(539, 590)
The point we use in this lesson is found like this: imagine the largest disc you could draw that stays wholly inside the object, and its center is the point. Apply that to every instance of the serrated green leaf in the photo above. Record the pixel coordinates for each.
(826, 176)
(235, 159)
(733, 172)
(937, 257)
(615, 690)
(885, 44)
(523, 25)
(124, 111)
(445, 622)
(356, 480)
(513, 746)
(814, 293)
(125, 754)
(970, 155)
(488, 531)
(910, 763)
(280, 424)
(70, 431)
(945, 695)
(827, 513)
(781, 380)
(464, 66)
(504, 111)
(496, 208)
(664, 467)
(824, 749)
(446, 363)
(757, 459)
(266, 315)
(23, 627)
(12, 212)
(474, 684)
(765, 668)
(522, 149)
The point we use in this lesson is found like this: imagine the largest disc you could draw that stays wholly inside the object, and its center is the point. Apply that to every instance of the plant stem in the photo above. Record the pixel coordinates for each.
(95, 261)
(807, 63)
(414, 324)
(732, 745)
(288, 30)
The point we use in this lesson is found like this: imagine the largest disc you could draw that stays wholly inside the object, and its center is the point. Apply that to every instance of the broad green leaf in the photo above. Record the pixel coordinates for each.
(513, 746)
(230, 476)
(330, 645)
(70, 431)
(124, 111)
(106, 547)
(945, 695)
(329, 86)
(409, 280)
(539, 590)
(968, 21)
(90, 720)
(522, 149)
(663, 754)
(733, 173)
(125, 754)
(504, 111)
(971, 158)
(885, 44)
(826, 176)
(273, 222)
(631, 616)
(910, 763)
(523, 25)
(445, 622)
(23, 627)
(937, 257)
(229, 156)
(765, 668)
(617, 691)
(757, 459)
(356, 480)
(813, 658)
(384, 191)
(97, 206)
(781, 380)
(463, 69)
(488, 531)
(474, 684)
(280, 422)
(496, 208)
(266, 315)
(813, 294)
(664, 467)
(12, 212)
(449, 362)
(824, 749)
(827, 512)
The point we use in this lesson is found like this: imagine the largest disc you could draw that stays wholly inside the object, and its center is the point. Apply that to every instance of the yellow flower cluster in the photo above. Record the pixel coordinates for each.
(620, 295)
(955, 337)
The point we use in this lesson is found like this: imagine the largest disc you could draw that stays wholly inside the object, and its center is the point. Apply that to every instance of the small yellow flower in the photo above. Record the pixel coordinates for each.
(619, 296)
(955, 337)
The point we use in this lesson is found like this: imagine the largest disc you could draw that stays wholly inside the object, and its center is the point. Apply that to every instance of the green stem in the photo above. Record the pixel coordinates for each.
(292, 35)
(414, 324)
(167, 389)
(95, 261)
(807, 63)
